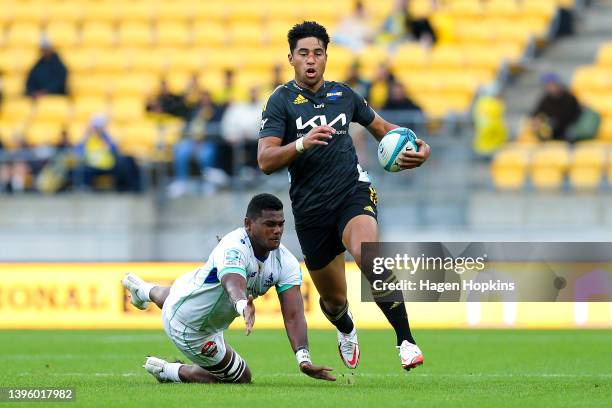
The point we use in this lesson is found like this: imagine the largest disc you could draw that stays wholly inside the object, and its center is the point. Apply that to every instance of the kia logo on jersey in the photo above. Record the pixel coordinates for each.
(320, 120)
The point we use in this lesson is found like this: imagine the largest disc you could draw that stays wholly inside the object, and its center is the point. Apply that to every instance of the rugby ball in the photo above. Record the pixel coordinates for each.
(395, 142)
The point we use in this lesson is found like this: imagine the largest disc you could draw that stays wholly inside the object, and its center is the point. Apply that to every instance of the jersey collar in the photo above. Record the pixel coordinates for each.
(319, 92)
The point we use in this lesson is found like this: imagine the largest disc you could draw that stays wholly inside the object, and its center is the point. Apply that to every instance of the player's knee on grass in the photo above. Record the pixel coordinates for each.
(232, 370)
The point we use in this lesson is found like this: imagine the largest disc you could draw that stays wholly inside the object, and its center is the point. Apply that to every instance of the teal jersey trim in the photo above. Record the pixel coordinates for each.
(225, 271)
(281, 289)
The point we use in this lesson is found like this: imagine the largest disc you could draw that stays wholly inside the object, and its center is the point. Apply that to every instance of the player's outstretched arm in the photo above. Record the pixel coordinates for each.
(407, 159)
(271, 156)
(235, 286)
(292, 308)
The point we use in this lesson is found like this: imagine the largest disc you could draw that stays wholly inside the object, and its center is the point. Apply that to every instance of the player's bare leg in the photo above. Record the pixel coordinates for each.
(158, 295)
(364, 228)
(330, 282)
(232, 369)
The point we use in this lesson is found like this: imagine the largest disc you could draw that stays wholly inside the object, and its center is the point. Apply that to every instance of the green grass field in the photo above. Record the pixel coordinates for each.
(462, 368)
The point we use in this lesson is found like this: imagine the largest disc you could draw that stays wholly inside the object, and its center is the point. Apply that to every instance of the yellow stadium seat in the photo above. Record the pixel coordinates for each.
(172, 34)
(134, 85)
(85, 107)
(110, 61)
(101, 12)
(246, 35)
(587, 165)
(62, 33)
(447, 57)
(28, 12)
(549, 165)
(465, 9)
(189, 59)
(592, 79)
(223, 58)
(17, 60)
(98, 34)
(135, 11)
(23, 35)
(43, 133)
(209, 11)
(410, 56)
(541, 8)
(511, 31)
(246, 12)
(605, 130)
(135, 34)
(139, 138)
(146, 60)
(283, 10)
(81, 60)
(127, 109)
(602, 103)
(276, 32)
(50, 108)
(173, 11)
(466, 33)
(604, 55)
(509, 168)
(502, 8)
(17, 109)
(76, 131)
(91, 84)
(13, 85)
(209, 35)
(69, 11)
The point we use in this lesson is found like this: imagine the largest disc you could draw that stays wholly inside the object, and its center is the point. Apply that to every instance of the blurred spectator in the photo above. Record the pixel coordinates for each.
(225, 95)
(357, 82)
(556, 110)
(198, 143)
(99, 156)
(379, 91)
(490, 126)
(167, 102)
(49, 74)
(240, 129)
(400, 25)
(354, 31)
(278, 76)
(192, 96)
(56, 165)
(15, 170)
(398, 99)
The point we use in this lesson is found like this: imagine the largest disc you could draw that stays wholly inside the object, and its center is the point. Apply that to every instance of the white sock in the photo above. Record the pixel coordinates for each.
(171, 372)
(144, 290)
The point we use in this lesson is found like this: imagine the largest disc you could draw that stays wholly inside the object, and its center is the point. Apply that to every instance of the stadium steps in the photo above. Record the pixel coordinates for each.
(593, 27)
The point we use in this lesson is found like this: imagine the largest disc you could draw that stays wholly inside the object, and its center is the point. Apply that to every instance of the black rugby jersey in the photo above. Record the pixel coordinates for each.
(322, 176)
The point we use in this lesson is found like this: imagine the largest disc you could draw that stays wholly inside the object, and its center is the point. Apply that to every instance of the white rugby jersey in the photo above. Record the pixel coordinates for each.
(197, 298)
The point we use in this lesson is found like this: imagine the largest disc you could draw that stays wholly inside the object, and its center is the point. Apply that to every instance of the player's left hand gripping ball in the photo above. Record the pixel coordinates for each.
(409, 159)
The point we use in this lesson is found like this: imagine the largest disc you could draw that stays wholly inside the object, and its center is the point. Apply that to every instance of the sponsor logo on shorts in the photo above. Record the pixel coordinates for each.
(369, 208)
(209, 349)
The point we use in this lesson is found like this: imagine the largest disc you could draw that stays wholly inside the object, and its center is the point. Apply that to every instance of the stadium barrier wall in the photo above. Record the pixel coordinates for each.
(90, 296)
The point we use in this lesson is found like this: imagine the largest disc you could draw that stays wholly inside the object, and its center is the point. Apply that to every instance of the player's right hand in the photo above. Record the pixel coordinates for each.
(318, 372)
(319, 135)
(249, 315)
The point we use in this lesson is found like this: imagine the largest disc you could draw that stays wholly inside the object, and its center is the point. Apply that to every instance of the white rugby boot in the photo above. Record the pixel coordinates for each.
(348, 347)
(410, 355)
(155, 366)
(136, 286)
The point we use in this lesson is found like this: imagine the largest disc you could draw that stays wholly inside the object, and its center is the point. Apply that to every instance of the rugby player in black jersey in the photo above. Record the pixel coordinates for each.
(305, 128)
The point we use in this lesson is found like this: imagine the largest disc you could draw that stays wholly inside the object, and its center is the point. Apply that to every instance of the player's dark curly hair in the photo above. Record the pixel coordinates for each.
(305, 30)
(263, 202)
